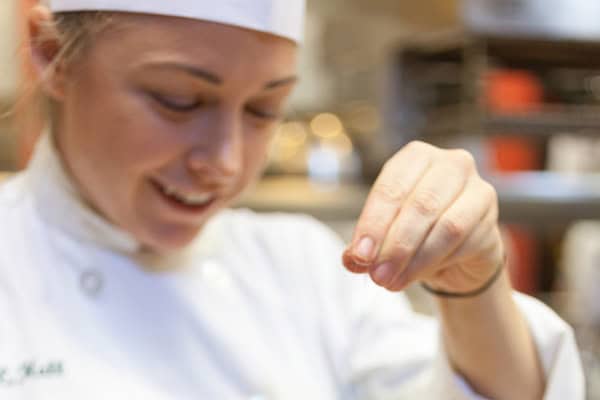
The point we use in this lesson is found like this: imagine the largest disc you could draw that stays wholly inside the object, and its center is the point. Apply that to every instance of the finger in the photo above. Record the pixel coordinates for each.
(395, 182)
(481, 251)
(437, 190)
(482, 244)
(452, 229)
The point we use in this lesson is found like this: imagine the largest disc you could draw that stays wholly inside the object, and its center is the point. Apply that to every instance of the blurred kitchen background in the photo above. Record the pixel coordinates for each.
(516, 82)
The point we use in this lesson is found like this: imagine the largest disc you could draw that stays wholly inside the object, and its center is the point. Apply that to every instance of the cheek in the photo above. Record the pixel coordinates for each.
(113, 141)
(256, 154)
(118, 131)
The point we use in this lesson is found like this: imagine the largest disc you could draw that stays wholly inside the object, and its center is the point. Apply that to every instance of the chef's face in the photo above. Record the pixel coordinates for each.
(166, 120)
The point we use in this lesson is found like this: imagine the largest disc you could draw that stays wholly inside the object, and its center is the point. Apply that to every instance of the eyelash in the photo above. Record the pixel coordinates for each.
(191, 107)
(263, 115)
(175, 107)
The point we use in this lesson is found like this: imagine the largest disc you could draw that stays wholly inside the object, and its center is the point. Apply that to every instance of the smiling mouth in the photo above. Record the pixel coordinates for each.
(194, 202)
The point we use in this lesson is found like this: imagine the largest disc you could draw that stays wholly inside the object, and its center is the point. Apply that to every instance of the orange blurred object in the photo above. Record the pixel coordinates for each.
(513, 153)
(516, 92)
(524, 259)
(513, 91)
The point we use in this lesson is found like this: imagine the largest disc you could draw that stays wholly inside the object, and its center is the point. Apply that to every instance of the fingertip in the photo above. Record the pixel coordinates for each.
(351, 265)
(382, 274)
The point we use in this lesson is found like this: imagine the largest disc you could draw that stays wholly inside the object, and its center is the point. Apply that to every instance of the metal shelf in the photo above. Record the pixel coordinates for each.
(569, 119)
(444, 122)
(473, 55)
(545, 52)
(542, 198)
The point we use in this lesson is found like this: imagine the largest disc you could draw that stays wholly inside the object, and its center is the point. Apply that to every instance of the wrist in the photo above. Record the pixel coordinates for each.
(477, 291)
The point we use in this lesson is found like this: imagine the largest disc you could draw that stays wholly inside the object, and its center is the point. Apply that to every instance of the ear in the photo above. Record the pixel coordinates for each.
(45, 46)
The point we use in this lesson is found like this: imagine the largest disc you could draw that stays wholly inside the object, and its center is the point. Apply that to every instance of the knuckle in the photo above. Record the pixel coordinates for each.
(390, 192)
(493, 191)
(426, 203)
(490, 191)
(495, 214)
(389, 164)
(464, 158)
(487, 250)
(418, 146)
(453, 229)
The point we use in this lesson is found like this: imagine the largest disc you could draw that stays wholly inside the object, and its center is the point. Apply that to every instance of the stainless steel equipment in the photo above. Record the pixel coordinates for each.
(556, 19)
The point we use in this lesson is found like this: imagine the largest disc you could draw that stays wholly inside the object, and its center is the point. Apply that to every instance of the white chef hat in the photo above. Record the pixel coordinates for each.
(280, 17)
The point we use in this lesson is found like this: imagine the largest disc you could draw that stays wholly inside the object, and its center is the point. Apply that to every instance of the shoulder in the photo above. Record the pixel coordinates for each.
(14, 201)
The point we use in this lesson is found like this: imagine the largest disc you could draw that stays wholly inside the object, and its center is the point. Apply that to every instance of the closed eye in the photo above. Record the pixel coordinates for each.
(263, 114)
(176, 104)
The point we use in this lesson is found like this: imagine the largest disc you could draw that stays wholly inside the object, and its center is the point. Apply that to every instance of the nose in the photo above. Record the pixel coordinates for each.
(218, 150)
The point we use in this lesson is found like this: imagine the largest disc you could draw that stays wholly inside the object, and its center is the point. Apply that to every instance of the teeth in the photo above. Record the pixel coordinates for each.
(169, 190)
(192, 199)
(198, 199)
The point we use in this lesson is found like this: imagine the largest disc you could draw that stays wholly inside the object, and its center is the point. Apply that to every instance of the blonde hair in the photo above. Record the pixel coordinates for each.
(76, 31)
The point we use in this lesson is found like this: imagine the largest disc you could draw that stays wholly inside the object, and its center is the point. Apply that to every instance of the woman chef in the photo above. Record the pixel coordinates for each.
(123, 275)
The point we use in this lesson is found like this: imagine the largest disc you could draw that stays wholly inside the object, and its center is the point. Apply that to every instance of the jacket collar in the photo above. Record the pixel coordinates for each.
(60, 204)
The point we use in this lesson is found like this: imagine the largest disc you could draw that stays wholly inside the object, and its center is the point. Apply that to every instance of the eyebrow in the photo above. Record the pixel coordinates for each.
(281, 82)
(216, 80)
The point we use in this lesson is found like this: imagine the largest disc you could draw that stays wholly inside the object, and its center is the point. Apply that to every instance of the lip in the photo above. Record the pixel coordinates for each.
(178, 206)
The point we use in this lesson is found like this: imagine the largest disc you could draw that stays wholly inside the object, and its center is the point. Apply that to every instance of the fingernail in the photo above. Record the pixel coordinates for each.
(383, 273)
(365, 247)
(350, 263)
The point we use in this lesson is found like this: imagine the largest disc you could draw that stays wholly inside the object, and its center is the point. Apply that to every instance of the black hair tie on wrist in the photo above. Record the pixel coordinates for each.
(472, 293)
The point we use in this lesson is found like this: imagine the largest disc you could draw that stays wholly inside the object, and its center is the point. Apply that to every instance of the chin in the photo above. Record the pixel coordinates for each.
(170, 239)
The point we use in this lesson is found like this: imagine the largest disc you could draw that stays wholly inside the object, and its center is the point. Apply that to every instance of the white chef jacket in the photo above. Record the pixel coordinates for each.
(258, 307)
